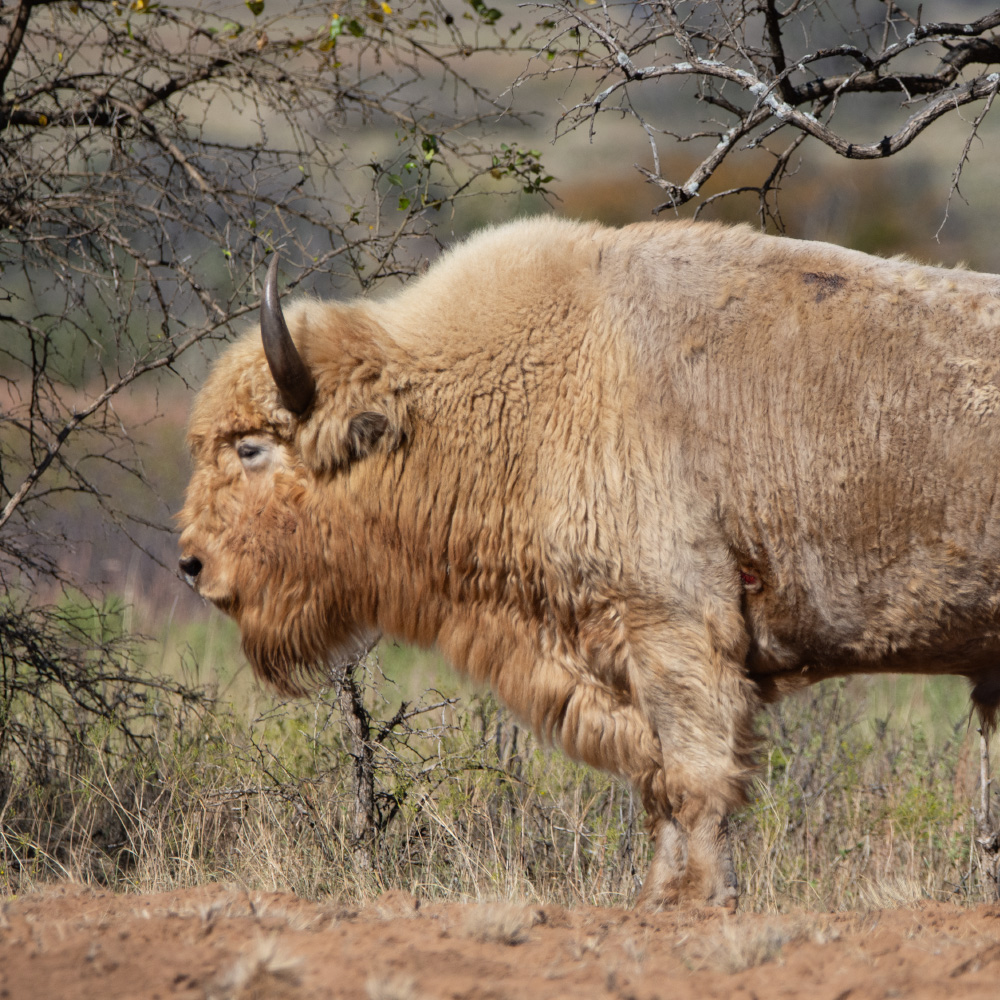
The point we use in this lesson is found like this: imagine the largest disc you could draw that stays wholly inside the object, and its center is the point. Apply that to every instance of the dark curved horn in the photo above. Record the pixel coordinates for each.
(295, 383)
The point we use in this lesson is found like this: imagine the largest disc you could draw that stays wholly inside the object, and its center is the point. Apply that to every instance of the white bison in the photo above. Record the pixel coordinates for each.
(636, 480)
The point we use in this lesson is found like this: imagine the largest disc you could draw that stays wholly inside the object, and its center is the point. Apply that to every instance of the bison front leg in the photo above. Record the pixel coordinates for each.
(702, 709)
(692, 864)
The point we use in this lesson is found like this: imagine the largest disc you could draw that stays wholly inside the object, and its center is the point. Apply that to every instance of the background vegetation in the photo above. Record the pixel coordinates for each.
(154, 154)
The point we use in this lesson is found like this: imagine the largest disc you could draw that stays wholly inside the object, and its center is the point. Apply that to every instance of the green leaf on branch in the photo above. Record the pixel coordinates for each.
(489, 14)
(523, 165)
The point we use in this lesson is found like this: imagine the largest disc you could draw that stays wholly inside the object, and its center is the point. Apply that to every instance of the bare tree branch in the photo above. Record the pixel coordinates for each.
(749, 64)
(14, 39)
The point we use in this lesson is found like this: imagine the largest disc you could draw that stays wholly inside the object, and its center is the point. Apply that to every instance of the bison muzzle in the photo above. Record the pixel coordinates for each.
(637, 480)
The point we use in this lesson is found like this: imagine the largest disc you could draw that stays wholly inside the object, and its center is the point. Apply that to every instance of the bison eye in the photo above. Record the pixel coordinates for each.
(254, 454)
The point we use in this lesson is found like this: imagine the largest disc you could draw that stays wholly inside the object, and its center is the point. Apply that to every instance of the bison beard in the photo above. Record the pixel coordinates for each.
(292, 616)
(637, 481)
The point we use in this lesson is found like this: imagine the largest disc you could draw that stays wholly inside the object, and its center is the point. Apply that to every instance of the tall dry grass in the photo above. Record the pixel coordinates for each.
(863, 798)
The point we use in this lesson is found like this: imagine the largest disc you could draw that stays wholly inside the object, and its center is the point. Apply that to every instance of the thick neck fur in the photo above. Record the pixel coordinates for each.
(468, 528)
(448, 552)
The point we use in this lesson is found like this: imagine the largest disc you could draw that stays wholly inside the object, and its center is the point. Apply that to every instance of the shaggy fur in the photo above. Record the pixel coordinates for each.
(636, 480)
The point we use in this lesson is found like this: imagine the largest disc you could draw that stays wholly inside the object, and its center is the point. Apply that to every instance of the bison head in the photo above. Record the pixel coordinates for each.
(288, 443)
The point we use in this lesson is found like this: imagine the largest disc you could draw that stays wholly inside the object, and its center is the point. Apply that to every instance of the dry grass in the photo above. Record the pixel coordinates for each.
(864, 800)
(856, 807)
(499, 923)
(391, 986)
(736, 946)
(891, 892)
(266, 971)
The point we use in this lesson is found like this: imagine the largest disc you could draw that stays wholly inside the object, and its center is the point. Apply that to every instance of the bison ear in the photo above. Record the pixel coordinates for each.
(332, 441)
(364, 431)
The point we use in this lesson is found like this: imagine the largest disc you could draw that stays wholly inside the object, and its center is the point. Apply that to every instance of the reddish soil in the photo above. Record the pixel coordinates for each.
(220, 942)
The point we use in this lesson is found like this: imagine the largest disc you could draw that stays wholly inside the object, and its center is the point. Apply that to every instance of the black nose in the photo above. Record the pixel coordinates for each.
(190, 566)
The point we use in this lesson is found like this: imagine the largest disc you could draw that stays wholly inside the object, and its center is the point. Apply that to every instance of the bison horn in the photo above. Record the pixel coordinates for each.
(295, 383)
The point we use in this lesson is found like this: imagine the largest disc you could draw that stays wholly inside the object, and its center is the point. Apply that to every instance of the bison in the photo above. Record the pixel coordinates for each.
(637, 480)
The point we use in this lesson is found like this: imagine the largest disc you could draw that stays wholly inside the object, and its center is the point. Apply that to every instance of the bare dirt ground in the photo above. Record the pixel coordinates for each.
(221, 942)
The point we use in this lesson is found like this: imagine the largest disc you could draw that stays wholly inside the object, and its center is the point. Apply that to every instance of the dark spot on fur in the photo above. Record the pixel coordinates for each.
(826, 284)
